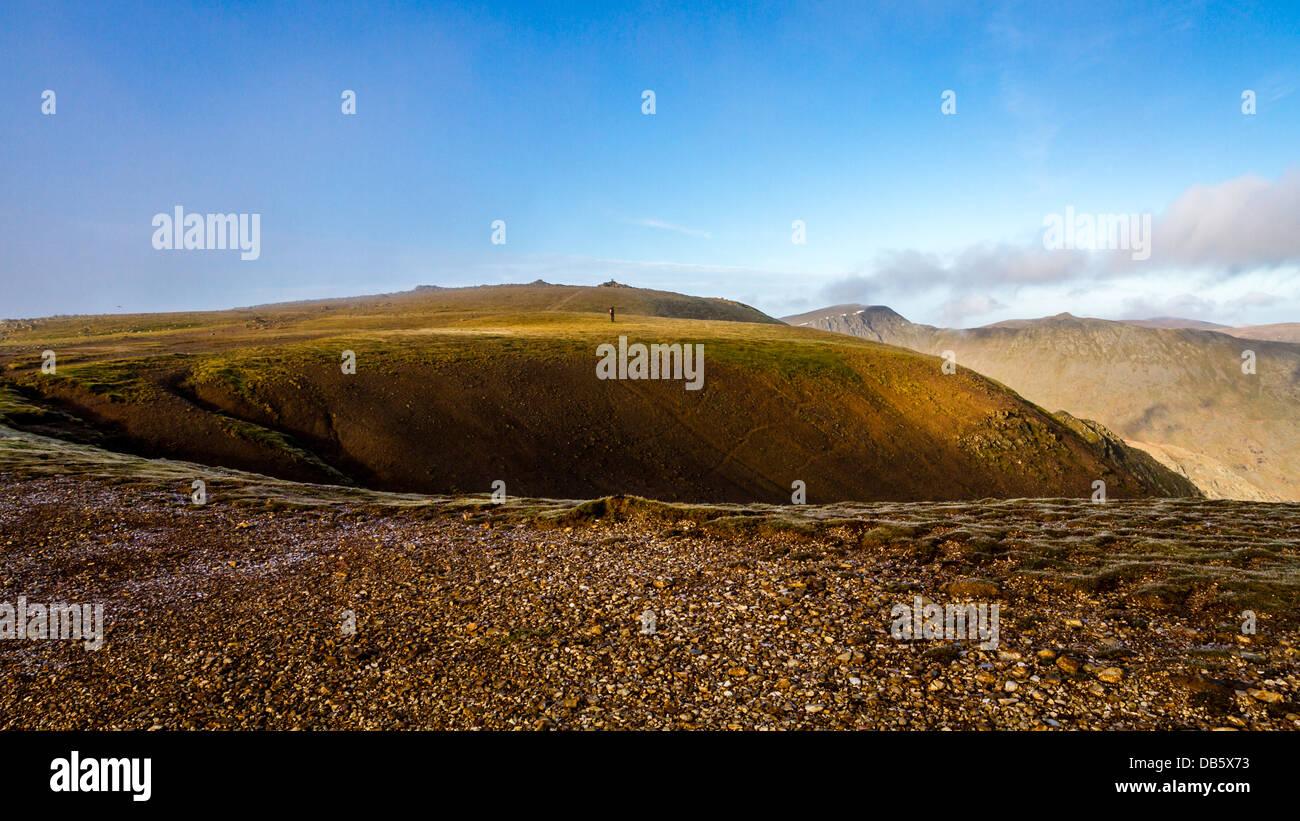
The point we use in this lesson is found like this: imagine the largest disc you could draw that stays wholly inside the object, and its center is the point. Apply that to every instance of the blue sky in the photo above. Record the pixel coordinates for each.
(765, 114)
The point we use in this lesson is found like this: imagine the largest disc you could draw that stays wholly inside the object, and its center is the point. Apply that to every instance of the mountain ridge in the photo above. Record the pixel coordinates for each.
(1178, 393)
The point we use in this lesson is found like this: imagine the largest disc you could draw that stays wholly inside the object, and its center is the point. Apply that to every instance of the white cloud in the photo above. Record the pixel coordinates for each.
(1241, 224)
(668, 226)
(1194, 306)
(955, 311)
(1217, 232)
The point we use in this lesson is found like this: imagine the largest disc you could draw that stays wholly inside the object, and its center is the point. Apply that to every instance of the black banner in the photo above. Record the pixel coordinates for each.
(333, 770)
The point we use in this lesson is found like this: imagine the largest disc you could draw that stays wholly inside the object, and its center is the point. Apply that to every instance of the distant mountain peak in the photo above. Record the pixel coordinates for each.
(845, 311)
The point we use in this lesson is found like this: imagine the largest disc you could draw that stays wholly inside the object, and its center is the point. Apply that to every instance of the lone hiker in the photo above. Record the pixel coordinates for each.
(611, 313)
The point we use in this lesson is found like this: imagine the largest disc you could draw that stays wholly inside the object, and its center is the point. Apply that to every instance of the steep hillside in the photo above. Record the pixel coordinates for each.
(454, 390)
(1179, 393)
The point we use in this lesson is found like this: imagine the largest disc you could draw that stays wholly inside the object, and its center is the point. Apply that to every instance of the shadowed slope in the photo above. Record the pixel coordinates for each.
(452, 393)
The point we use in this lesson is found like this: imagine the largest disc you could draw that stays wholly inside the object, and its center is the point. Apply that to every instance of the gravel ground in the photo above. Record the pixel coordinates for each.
(229, 616)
